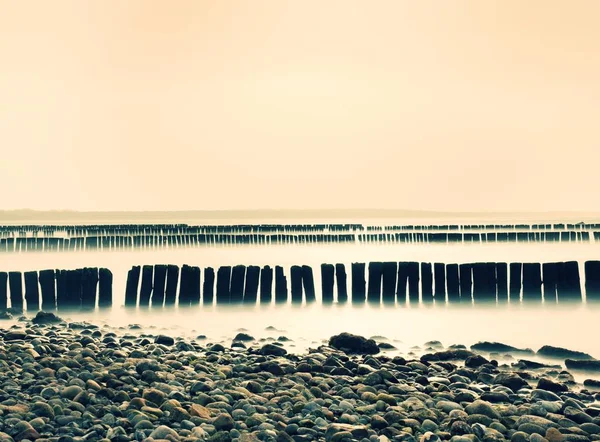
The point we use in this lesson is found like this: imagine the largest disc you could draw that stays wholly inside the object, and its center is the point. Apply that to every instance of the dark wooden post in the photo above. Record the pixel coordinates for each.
(131, 287)
(194, 285)
(390, 275)
(532, 282)
(516, 271)
(32, 292)
(358, 283)
(208, 287)
(15, 281)
(266, 285)
(439, 271)
(238, 275)
(48, 290)
(296, 276)
(592, 281)
(342, 285)
(89, 286)
(251, 287)
(327, 281)
(105, 282)
(160, 281)
(146, 288)
(374, 282)
(171, 285)
(308, 282)
(413, 282)
(3, 291)
(466, 283)
(281, 286)
(426, 282)
(223, 284)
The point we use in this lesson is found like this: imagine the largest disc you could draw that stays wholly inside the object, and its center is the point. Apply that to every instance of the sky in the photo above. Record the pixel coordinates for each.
(201, 104)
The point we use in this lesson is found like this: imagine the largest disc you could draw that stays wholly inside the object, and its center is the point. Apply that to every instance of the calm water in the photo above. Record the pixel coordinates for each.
(572, 326)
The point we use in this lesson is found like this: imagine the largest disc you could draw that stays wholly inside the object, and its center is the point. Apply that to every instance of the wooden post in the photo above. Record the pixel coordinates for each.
(413, 282)
(266, 285)
(439, 275)
(209, 285)
(532, 282)
(223, 284)
(251, 287)
(296, 276)
(171, 285)
(327, 281)
(32, 292)
(238, 275)
(374, 282)
(516, 270)
(341, 281)
(194, 285)
(160, 281)
(281, 286)
(466, 283)
(146, 288)
(426, 282)
(15, 281)
(89, 286)
(308, 283)
(131, 287)
(358, 283)
(592, 281)
(452, 276)
(502, 278)
(105, 282)
(390, 275)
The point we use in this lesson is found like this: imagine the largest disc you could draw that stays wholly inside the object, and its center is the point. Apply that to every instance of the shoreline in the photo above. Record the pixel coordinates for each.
(79, 381)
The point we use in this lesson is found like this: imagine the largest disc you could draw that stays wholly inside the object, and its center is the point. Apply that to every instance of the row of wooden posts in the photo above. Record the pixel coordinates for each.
(182, 229)
(376, 282)
(48, 290)
(104, 243)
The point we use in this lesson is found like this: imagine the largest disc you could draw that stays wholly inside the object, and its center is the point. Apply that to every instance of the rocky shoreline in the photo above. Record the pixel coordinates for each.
(74, 382)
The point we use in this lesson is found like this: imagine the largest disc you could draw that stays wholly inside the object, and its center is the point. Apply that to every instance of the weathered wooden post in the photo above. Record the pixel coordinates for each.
(568, 282)
(131, 287)
(251, 287)
(146, 287)
(466, 282)
(296, 277)
(32, 292)
(358, 283)
(502, 279)
(390, 275)
(266, 285)
(308, 283)
(89, 285)
(105, 282)
(592, 281)
(238, 275)
(15, 281)
(223, 285)
(341, 281)
(194, 286)
(374, 282)
(327, 281)
(532, 282)
(516, 271)
(426, 282)
(439, 271)
(549, 280)
(208, 286)
(47, 285)
(281, 286)
(3, 291)
(160, 281)
(171, 285)
(413, 282)
(453, 278)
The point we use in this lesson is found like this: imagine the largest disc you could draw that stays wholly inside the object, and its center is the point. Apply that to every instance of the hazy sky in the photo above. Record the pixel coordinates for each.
(465, 105)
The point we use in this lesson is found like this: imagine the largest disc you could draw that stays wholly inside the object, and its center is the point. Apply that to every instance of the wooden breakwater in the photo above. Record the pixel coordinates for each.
(373, 283)
(157, 236)
(79, 289)
(162, 285)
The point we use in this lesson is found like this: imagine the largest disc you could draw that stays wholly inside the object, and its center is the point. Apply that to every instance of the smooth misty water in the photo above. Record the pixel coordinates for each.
(571, 326)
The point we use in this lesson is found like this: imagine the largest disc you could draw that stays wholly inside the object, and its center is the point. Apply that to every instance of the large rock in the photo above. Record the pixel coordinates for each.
(354, 344)
(548, 351)
(497, 347)
(273, 350)
(46, 318)
(510, 380)
(585, 365)
(448, 355)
